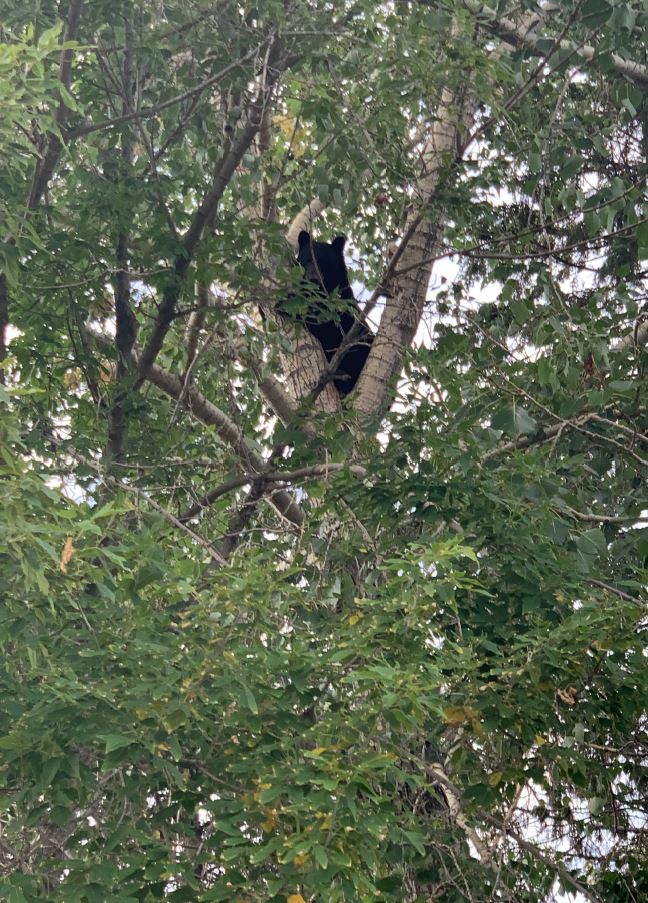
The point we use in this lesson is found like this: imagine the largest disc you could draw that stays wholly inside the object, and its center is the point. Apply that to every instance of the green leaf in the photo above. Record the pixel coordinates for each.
(417, 841)
(514, 421)
(250, 701)
(115, 741)
(595, 804)
(67, 98)
(320, 855)
(595, 12)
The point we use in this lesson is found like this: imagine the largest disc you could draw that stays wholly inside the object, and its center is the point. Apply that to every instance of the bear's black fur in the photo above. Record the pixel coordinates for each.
(331, 319)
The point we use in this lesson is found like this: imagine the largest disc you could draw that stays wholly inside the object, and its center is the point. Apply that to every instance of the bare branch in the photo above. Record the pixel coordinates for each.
(593, 518)
(615, 591)
(437, 773)
(203, 543)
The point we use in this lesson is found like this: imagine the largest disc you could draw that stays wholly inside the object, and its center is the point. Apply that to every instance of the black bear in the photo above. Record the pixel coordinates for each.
(331, 319)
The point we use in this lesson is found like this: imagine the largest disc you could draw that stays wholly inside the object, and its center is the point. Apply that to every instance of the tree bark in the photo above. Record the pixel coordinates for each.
(408, 289)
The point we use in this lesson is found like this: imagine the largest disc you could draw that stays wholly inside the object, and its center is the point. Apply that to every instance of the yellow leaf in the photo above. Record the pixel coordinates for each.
(66, 554)
(296, 898)
(459, 714)
(271, 820)
(495, 778)
(300, 859)
(72, 379)
(353, 619)
(288, 126)
(540, 740)
(107, 371)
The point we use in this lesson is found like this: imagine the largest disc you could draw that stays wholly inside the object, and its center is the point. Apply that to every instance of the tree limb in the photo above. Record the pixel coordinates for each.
(524, 34)
(277, 476)
(281, 402)
(408, 290)
(451, 793)
(45, 168)
(125, 320)
(306, 368)
(207, 412)
(303, 220)
(207, 210)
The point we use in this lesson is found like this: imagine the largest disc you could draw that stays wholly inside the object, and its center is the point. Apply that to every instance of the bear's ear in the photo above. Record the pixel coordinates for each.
(303, 239)
(338, 243)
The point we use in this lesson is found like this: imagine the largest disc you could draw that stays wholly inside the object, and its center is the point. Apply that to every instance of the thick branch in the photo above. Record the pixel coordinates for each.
(304, 369)
(125, 320)
(239, 521)
(438, 774)
(636, 339)
(46, 166)
(228, 431)
(282, 404)
(404, 307)
(304, 220)
(525, 34)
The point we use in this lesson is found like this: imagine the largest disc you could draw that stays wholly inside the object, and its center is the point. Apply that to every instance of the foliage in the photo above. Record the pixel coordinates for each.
(434, 686)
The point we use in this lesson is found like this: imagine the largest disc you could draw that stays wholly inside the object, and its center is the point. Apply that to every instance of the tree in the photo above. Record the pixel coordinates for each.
(259, 644)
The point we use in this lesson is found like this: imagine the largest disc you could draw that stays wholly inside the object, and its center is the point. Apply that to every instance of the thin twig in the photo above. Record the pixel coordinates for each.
(148, 112)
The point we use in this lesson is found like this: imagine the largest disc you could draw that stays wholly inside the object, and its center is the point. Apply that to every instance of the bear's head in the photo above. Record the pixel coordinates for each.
(323, 263)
